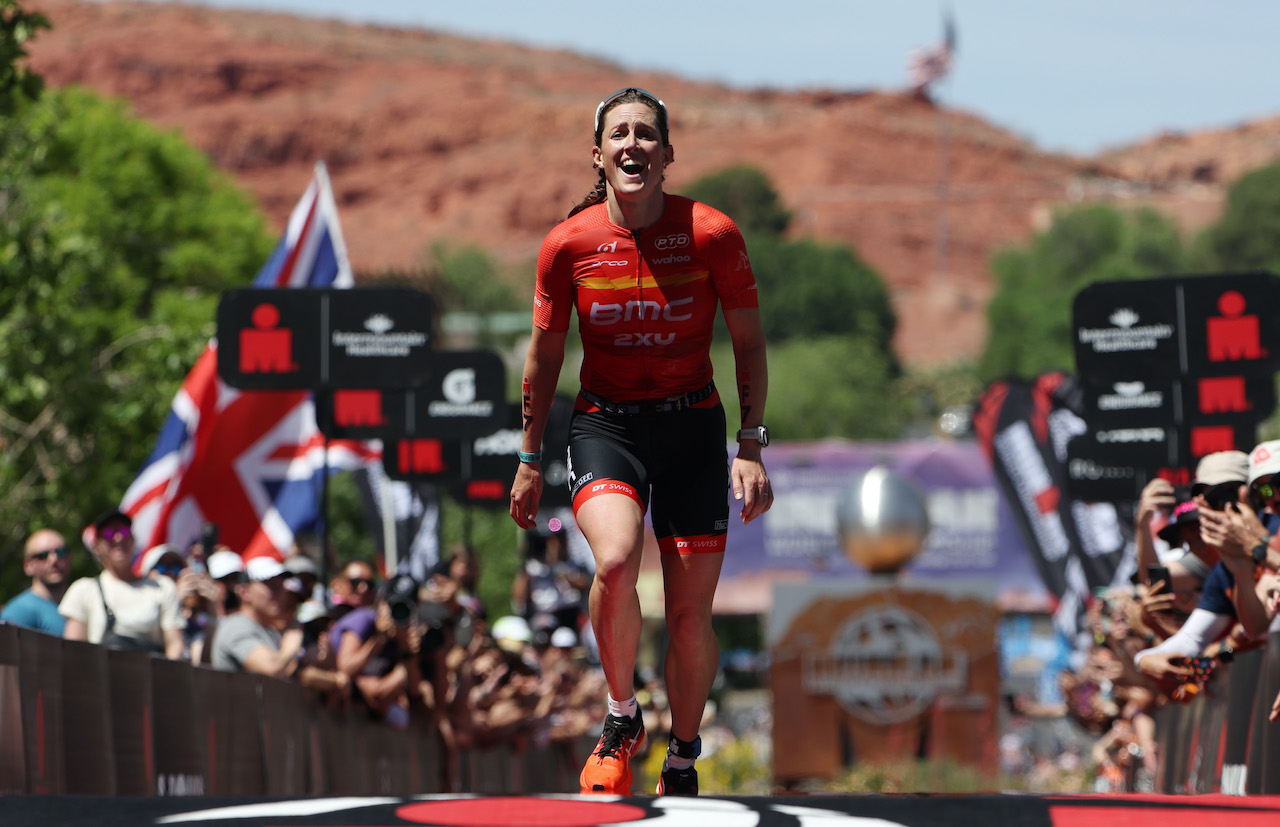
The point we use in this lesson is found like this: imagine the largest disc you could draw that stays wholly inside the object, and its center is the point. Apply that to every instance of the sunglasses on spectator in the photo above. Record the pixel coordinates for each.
(115, 535)
(169, 569)
(61, 551)
(357, 582)
(604, 104)
(1266, 489)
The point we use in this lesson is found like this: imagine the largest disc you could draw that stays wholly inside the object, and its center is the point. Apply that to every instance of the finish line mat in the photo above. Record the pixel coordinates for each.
(579, 811)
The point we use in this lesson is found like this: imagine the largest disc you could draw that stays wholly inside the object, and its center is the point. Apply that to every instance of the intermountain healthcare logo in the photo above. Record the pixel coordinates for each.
(1127, 335)
(379, 340)
(886, 666)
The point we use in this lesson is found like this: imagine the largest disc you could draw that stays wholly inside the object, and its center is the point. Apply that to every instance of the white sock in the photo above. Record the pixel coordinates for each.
(624, 709)
(678, 762)
(675, 762)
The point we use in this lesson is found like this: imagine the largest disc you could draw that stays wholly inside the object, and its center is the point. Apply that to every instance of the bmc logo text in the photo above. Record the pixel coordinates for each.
(606, 314)
(670, 242)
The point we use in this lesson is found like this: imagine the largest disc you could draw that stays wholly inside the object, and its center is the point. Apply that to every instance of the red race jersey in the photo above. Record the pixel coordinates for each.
(646, 300)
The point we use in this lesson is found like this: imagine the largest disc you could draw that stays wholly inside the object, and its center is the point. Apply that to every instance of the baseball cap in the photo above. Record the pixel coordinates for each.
(114, 515)
(1264, 460)
(263, 568)
(224, 562)
(511, 632)
(156, 553)
(301, 564)
(1183, 513)
(564, 638)
(1220, 467)
(311, 610)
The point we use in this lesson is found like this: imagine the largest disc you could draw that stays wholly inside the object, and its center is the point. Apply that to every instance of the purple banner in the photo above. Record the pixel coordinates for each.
(973, 531)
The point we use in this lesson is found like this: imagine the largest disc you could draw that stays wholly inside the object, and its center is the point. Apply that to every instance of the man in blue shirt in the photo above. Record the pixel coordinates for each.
(47, 562)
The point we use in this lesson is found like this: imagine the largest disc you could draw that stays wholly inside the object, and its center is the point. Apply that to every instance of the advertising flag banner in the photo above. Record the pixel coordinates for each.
(1077, 546)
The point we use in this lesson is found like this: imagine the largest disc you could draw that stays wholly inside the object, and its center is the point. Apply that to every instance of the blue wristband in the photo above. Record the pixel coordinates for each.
(526, 456)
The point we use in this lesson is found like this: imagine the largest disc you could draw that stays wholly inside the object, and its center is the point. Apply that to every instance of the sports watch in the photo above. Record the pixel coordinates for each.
(1225, 653)
(1260, 552)
(759, 433)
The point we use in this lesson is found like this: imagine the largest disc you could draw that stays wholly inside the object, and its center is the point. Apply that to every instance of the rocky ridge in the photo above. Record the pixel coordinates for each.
(433, 138)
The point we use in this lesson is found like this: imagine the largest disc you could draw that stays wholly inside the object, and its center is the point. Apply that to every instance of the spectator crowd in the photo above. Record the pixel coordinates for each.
(391, 649)
(1204, 589)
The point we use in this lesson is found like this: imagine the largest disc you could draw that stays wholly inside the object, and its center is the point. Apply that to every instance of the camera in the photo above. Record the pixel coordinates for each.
(1218, 497)
(401, 596)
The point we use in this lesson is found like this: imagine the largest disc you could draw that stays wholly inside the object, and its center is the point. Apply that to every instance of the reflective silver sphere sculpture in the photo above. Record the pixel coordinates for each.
(882, 520)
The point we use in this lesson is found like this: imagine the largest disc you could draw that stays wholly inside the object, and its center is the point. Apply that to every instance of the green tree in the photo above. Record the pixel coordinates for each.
(833, 386)
(818, 302)
(115, 241)
(809, 289)
(464, 279)
(746, 195)
(17, 83)
(1029, 315)
(1247, 235)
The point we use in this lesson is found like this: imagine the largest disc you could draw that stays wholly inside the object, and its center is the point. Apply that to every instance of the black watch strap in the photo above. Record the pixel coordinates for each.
(1260, 552)
(1225, 653)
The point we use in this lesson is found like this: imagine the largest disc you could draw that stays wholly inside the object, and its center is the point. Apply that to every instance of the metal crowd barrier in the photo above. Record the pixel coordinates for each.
(1222, 741)
(77, 718)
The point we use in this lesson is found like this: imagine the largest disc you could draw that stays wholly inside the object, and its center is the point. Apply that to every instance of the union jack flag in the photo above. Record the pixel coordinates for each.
(252, 462)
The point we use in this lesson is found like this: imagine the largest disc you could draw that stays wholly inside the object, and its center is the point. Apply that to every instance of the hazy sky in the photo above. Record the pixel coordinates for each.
(1076, 75)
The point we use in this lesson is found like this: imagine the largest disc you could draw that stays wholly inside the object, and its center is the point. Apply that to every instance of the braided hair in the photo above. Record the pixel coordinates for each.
(600, 192)
(598, 195)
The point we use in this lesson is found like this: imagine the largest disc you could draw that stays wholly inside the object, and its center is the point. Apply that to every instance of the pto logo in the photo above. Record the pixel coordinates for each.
(671, 242)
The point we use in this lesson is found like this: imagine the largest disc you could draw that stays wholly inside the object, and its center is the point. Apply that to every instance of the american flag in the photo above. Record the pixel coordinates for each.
(925, 66)
(252, 462)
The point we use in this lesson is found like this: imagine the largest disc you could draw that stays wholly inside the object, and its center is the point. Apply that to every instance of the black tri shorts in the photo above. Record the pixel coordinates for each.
(674, 461)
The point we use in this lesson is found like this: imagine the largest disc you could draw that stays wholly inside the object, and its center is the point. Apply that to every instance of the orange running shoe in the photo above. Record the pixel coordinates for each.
(608, 769)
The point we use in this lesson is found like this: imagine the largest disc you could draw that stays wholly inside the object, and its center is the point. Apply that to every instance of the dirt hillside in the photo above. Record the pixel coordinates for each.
(434, 138)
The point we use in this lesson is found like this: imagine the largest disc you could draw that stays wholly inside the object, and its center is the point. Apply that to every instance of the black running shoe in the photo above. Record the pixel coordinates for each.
(678, 782)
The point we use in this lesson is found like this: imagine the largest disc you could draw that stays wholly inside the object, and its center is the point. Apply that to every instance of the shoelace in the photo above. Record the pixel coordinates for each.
(614, 736)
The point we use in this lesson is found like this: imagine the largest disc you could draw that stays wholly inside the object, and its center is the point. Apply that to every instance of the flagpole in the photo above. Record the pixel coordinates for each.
(324, 517)
(390, 556)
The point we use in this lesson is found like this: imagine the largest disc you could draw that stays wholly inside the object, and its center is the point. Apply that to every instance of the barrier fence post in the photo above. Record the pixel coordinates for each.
(129, 675)
(13, 755)
(1264, 747)
(1244, 679)
(181, 748)
(88, 743)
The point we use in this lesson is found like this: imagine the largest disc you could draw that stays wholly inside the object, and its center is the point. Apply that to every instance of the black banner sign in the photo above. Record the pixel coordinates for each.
(316, 338)
(1178, 325)
(464, 397)
(1173, 369)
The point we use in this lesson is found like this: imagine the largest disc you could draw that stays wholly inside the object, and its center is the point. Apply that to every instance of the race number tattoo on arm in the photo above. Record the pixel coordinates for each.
(744, 399)
(526, 403)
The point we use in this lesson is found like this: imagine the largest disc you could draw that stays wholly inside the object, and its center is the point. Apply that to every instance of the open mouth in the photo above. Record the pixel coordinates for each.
(632, 167)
